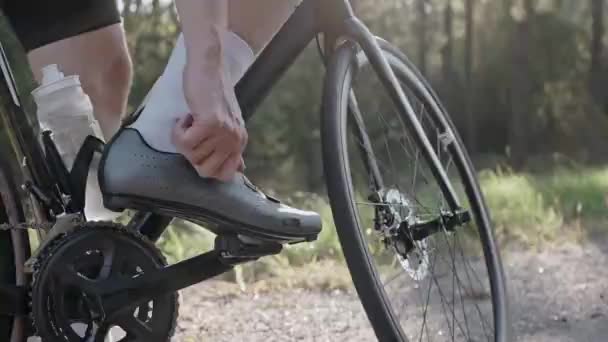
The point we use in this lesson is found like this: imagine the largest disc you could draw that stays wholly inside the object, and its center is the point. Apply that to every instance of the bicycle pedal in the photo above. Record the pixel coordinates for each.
(236, 249)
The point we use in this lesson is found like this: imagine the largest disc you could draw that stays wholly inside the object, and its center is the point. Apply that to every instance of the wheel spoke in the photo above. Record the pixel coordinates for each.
(460, 284)
(482, 317)
(422, 280)
(425, 310)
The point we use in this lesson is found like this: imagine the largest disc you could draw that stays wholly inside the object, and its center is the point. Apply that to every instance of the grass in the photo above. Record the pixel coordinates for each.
(536, 208)
(527, 209)
(532, 210)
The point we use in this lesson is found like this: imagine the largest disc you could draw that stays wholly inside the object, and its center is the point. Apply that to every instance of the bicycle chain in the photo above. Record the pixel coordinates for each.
(26, 226)
(62, 238)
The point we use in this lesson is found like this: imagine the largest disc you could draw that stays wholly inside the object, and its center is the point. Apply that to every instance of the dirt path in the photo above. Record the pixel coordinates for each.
(558, 295)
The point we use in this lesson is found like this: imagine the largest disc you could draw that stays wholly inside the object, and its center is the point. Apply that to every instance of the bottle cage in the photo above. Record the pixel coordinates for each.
(72, 183)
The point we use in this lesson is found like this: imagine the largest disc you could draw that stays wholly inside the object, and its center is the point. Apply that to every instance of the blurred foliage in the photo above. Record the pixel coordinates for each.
(534, 97)
(532, 91)
(533, 104)
(528, 209)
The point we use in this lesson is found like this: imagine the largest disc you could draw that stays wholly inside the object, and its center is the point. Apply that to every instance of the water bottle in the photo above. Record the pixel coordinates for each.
(66, 111)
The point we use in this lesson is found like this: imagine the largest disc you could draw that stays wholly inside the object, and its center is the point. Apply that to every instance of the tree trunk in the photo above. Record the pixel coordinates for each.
(126, 14)
(156, 13)
(596, 50)
(126, 7)
(521, 88)
(356, 4)
(507, 5)
(449, 85)
(471, 127)
(448, 49)
(422, 33)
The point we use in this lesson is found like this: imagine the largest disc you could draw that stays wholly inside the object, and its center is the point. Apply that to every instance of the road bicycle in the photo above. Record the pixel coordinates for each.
(414, 229)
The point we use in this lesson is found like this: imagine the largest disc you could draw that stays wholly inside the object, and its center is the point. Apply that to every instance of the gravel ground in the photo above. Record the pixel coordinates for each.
(560, 294)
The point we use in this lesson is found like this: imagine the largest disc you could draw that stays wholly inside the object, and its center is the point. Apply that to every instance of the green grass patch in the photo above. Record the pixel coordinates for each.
(532, 208)
(519, 211)
(528, 209)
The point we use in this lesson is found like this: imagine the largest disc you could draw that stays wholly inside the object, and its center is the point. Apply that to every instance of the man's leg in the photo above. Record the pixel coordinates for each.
(155, 175)
(101, 58)
(258, 21)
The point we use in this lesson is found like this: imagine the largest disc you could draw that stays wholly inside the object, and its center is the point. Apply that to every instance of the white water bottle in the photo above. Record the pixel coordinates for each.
(65, 110)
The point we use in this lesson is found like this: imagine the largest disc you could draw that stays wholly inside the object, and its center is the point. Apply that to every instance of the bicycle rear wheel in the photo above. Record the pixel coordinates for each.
(14, 249)
(447, 286)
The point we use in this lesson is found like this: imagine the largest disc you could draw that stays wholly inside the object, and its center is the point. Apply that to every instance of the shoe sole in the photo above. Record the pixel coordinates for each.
(211, 221)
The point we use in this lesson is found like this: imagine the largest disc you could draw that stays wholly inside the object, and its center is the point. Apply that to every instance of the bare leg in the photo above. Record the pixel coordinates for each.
(257, 21)
(101, 58)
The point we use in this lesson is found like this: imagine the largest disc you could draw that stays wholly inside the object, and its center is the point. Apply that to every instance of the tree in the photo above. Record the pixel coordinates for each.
(447, 53)
(421, 30)
(449, 76)
(596, 67)
(521, 86)
(471, 127)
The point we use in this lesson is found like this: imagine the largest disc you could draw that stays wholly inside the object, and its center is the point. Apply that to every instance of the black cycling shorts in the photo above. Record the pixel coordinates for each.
(40, 22)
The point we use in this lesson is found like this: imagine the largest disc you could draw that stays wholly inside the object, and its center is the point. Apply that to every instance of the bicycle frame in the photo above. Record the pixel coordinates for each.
(21, 133)
(332, 18)
(335, 20)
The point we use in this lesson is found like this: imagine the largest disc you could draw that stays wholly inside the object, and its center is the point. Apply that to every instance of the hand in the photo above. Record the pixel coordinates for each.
(213, 136)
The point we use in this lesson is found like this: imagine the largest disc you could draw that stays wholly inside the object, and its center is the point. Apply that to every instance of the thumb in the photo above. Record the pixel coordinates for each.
(241, 168)
(179, 129)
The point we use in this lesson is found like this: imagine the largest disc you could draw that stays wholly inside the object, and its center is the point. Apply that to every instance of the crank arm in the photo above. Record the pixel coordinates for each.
(119, 295)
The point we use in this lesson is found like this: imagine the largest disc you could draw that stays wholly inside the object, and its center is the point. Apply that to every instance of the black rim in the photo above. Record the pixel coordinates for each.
(439, 290)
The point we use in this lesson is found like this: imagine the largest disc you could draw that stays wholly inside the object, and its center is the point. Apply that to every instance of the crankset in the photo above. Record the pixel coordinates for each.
(67, 304)
(102, 276)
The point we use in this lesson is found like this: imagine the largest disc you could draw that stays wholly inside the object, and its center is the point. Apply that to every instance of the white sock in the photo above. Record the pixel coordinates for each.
(166, 101)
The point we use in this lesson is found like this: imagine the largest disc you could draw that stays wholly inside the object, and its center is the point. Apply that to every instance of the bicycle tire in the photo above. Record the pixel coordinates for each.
(11, 211)
(339, 180)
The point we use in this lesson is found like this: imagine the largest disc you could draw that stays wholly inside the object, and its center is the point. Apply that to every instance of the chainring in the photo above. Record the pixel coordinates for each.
(62, 311)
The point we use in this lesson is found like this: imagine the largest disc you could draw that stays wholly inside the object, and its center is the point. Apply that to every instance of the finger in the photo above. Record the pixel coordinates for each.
(241, 168)
(178, 133)
(188, 137)
(187, 120)
(212, 165)
(183, 122)
(204, 150)
(229, 168)
(244, 141)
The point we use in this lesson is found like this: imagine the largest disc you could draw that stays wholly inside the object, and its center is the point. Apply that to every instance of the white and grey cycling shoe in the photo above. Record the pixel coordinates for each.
(133, 175)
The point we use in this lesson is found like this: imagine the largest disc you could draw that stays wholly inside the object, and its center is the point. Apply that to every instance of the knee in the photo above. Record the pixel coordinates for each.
(113, 80)
(108, 84)
(120, 73)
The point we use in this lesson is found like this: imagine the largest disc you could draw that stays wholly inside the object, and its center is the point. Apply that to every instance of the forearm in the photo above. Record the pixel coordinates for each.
(202, 22)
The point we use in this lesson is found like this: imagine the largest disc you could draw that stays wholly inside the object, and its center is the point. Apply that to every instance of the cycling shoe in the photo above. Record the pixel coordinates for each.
(133, 175)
